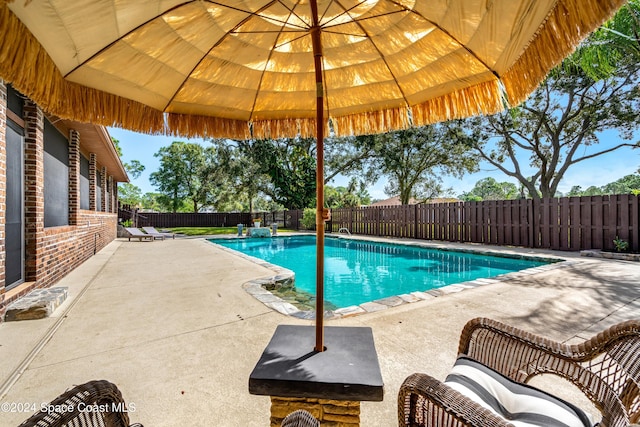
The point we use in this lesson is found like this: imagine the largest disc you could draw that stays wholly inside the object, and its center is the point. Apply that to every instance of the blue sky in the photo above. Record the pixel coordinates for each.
(598, 171)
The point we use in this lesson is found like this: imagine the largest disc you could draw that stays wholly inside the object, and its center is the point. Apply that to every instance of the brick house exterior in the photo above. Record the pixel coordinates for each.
(52, 172)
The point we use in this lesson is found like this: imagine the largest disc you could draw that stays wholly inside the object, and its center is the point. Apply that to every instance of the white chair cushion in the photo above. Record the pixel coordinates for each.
(520, 404)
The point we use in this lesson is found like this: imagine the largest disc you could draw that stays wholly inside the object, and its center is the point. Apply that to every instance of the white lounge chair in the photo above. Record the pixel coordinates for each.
(137, 234)
(154, 232)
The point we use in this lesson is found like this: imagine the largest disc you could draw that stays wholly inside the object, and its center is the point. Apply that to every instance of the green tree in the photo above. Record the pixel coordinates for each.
(592, 190)
(357, 192)
(290, 165)
(490, 189)
(333, 196)
(190, 173)
(150, 202)
(470, 197)
(215, 181)
(167, 203)
(134, 168)
(178, 162)
(616, 43)
(554, 127)
(628, 184)
(576, 191)
(116, 144)
(413, 160)
(284, 170)
(352, 156)
(244, 175)
(353, 195)
(130, 194)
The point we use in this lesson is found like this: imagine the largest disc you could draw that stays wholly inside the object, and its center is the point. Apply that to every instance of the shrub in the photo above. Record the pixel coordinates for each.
(620, 244)
(308, 221)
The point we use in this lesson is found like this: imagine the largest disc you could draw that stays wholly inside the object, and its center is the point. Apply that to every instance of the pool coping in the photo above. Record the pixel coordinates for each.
(255, 287)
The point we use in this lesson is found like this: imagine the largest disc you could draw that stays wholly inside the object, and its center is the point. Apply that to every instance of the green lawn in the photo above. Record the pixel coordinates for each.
(203, 231)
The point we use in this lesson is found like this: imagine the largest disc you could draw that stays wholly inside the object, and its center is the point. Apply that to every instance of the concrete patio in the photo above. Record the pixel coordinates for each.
(170, 324)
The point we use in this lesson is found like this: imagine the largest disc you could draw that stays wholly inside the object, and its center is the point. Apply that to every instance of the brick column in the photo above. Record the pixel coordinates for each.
(103, 183)
(93, 203)
(330, 413)
(74, 177)
(3, 190)
(33, 190)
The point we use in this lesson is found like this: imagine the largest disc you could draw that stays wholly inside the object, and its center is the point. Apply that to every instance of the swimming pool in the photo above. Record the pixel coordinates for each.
(359, 271)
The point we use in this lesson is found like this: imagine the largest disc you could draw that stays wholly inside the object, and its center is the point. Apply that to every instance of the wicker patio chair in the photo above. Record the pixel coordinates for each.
(94, 404)
(300, 418)
(605, 368)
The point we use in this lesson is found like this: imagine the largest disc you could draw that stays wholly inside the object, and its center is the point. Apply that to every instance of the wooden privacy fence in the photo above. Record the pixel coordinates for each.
(288, 219)
(571, 223)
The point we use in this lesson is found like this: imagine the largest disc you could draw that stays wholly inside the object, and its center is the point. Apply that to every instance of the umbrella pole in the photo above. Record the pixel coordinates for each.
(317, 58)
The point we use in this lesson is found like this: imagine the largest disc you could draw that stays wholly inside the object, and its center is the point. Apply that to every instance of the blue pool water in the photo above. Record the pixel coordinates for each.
(362, 271)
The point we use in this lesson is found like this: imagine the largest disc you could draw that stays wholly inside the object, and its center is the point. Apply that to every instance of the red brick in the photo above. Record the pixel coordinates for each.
(50, 253)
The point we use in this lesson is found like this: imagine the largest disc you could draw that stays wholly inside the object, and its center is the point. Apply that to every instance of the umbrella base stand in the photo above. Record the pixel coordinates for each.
(329, 384)
(345, 413)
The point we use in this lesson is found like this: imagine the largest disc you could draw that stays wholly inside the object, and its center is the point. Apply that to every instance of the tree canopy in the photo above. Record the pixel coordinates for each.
(353, 195)
(612, 47)
(190, 173)
(490, 189)
(563, 117)
(289, 164)
(628, 184)
(413, 160)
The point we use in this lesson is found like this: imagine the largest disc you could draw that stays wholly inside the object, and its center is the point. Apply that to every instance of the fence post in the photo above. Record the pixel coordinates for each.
(415, 221)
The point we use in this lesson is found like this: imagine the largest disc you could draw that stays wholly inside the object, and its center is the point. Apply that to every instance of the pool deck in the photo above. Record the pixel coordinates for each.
(171, 324)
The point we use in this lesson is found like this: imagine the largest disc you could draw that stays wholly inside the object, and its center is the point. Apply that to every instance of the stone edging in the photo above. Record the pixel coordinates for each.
(597, 253)
(285, 276)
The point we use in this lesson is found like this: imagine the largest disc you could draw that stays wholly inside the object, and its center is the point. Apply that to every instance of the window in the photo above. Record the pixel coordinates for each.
(15, 101)
(84, 183)
(14, 212)
(56, 177)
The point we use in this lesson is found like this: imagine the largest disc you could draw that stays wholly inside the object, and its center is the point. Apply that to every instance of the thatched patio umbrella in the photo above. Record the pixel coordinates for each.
(285, 68)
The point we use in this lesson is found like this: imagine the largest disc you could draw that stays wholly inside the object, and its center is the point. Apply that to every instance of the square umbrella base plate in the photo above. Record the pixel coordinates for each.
(347, 370)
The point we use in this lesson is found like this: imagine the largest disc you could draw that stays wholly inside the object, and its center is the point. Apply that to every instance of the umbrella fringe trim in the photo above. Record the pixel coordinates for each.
(371, 122)
(566, 26)
(484, 98)
(192, 125)
(279, 128)
(26, 65)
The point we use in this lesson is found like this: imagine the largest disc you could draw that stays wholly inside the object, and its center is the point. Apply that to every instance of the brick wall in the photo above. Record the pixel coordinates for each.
(50, 253)
(65, 248)
(62, 249)
(3, 188)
